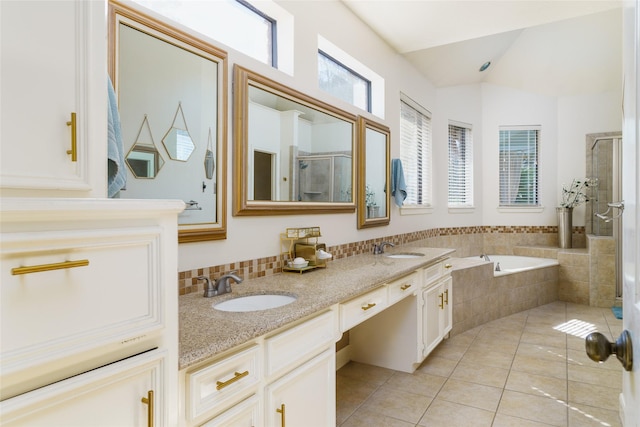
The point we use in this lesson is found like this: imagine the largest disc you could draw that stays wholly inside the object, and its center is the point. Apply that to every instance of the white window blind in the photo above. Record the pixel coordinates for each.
(519, 166)
(415, 153)
(460, 166)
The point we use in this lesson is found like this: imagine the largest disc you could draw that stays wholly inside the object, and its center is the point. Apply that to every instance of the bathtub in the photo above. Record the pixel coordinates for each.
(510, 264)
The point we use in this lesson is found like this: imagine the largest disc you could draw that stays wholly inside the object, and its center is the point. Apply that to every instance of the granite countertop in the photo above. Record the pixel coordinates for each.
(205, 332)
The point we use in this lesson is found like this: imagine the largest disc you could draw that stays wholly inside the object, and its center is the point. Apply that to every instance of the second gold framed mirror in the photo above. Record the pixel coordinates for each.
(374, 145)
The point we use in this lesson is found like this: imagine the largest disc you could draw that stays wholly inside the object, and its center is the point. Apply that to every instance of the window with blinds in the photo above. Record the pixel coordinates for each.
(415, 152)
(460, 166)
(519, 174)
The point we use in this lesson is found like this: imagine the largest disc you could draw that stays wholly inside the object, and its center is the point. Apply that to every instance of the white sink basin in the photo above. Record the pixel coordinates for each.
(254, 303)
(405, 255)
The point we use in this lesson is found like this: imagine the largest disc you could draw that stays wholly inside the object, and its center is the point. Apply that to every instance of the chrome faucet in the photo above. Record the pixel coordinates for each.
(379, 249)
(486, 257)
(221, 286)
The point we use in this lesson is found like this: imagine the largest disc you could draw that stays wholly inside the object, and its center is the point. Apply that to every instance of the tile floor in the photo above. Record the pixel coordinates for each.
(527, 369)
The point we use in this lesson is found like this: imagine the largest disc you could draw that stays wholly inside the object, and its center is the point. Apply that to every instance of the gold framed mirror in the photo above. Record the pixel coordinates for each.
(374, 147)
(293, 154)
(176, 85)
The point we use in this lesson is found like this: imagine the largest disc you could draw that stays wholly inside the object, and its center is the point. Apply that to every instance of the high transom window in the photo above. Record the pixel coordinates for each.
(342, 82)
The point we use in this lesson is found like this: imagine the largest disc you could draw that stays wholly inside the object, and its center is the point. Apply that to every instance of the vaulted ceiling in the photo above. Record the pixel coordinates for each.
(557, 48)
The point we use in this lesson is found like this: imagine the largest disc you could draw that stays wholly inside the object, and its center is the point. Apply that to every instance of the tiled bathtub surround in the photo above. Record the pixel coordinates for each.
(479, 297)
(466, 240)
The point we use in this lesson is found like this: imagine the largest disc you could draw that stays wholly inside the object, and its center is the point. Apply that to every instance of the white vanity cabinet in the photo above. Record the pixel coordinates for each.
(88, 311)
(53, 66)
(287, 376)
(404, 334)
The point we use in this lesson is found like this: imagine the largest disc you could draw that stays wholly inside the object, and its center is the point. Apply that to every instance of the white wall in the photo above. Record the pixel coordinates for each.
(485, 106)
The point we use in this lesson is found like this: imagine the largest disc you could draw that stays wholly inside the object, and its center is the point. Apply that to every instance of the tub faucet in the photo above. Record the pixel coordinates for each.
(379, 249)
(221, 286)
(486, 257)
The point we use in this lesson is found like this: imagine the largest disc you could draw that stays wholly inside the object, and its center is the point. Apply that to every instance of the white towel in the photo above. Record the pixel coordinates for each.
(117, 174)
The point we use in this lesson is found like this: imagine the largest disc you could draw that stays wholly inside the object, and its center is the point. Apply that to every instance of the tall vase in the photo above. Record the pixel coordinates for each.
(565, 227)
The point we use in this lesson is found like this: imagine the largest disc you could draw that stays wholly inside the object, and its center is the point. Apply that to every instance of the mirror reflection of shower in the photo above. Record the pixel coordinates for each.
(302, 165)
(605, 207)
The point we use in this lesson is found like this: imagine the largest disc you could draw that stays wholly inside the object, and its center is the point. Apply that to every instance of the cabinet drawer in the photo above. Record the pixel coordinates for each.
(361, 308)
(244, 414)
(403, 287)
(112, 298)
(223, 383)
(300, 343)
(433, 273)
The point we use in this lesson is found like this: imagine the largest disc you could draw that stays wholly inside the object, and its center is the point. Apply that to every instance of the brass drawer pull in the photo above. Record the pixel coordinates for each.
(446, 295)
(405, 287)
(74, 138)
(368, 306)
(441, 305)
(448, 266)
(237, 375)
(149, 402)
(282, 414)
(49, 267)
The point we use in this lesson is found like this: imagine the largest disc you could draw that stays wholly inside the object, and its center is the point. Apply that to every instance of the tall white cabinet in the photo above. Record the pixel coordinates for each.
(88, 302)
(53, 67)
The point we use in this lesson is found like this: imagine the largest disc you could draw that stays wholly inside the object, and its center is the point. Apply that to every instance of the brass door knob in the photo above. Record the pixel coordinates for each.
(599, 348)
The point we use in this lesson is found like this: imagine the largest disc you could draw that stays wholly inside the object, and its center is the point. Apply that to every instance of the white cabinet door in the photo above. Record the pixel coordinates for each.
(436, 313)
(431, 312)
(52, 64)
(244, 414)
(306, 396)
(109, 396)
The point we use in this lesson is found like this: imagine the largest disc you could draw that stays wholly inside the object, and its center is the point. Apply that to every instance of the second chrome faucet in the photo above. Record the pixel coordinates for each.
(221, 286)
(379, 249)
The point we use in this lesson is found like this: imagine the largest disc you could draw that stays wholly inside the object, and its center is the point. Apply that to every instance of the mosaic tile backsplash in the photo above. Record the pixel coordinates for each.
(466, 240)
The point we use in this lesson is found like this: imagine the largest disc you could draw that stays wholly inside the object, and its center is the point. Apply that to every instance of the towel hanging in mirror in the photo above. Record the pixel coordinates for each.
(209, 162)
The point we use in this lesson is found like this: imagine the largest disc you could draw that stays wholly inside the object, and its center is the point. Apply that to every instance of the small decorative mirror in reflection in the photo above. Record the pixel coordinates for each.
(143, 159)
(293, 154)
(374, 144)
(177, 141)
(178, 83)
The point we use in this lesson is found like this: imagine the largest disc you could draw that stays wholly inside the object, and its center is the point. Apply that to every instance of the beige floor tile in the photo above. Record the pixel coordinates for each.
(449, 351)
(533, 365)
(398, 404)
(353, 390)
(470, 394)
(435, 365)
(540, 409)
(424, 384)
(537, 385)
(578, 357)
(552, 354)
(593, 395)
(509, 347)
(478, 374)
(496, 334)
(344, 409)
(559, 340)
(368, 373)
(595, 375)
(502, 420)
(496, 359)
(364, 417)
(442, 413)
(586, 416)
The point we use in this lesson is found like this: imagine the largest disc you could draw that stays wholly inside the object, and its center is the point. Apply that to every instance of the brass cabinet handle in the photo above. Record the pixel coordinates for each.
(441, 305)
(446, 294)
(368, 306)
(74, 138)
(149, 402)
(236, 376)
(405, 287)
(49, 267)
(282, 414)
